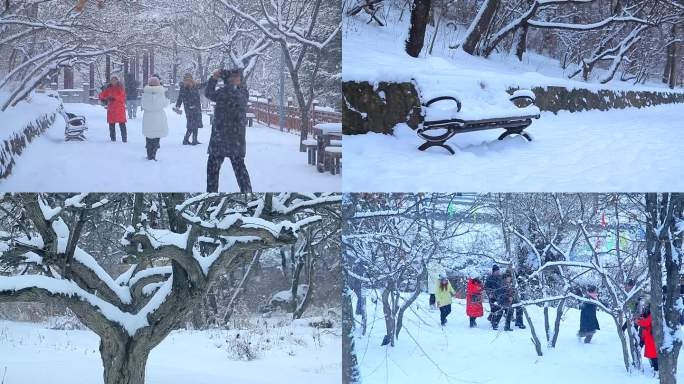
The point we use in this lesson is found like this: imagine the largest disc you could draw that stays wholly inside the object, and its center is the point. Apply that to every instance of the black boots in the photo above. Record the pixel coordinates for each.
(473, 324)
(186, 139)
(152, 145)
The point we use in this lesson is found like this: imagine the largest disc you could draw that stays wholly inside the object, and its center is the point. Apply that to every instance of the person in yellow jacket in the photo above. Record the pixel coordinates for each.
(444, 294)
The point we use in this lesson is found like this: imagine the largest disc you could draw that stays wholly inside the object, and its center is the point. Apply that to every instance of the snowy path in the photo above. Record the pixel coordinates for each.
(482, 355)
(196, 357)
(619, 150)
(51, 164)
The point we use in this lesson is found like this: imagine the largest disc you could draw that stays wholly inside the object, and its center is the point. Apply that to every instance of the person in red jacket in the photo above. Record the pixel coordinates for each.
(647, 336)
(474, 307)
(115, 95)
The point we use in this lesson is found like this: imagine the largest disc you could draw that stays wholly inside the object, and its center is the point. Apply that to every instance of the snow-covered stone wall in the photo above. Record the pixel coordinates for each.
(554, 99)
(379, 107)
(21, 124)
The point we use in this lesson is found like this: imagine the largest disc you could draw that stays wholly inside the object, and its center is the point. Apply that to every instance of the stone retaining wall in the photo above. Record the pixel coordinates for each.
(12, 147)
(378, 108)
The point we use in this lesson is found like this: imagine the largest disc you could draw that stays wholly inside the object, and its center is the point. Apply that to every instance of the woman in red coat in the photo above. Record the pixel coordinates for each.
(115, 95)
(474, 301)
(647, 336)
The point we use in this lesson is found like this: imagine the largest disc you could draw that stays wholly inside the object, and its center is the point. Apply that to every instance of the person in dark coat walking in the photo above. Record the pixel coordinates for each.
(228, 129)
(189, 98)
(132, 96)
(492, 285)
(588, 321)
(505, 298)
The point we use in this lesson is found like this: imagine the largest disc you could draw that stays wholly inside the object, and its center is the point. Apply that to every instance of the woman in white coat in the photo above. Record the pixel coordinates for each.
(155, 125)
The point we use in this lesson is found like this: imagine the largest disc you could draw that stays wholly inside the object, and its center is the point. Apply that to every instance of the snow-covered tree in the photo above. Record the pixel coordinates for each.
(167, 266)
(664, 235)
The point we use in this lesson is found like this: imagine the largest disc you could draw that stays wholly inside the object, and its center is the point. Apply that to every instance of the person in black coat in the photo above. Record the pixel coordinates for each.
(189, 98)
(505, 298)
(228, 129)
(492, 285)
(132, 96)
(588, 321)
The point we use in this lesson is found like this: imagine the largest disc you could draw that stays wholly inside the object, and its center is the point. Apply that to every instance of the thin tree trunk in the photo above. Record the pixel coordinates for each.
(420, 15)
(389, 314)
(521, 45)
(534, 338)
(557, 322)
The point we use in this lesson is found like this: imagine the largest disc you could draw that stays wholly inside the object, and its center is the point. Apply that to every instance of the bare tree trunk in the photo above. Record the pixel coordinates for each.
(480, 25)
(124, 359)
(547, 325)
(623, 342)
(350, 367)
(661, 237)
(556, 323)
(521, 45)
(672, 59)
(534, 338)
(400, 316)
(389, 314)
(420, 15)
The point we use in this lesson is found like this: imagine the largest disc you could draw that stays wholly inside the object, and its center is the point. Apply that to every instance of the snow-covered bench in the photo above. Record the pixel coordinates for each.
(441, 123)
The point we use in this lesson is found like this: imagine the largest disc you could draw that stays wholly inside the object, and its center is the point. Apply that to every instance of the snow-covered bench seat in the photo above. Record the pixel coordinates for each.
(445, 116)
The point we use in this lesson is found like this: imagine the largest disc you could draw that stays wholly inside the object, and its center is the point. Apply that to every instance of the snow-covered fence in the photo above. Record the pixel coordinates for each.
(24, 123)
(269, 114)
(380, 106)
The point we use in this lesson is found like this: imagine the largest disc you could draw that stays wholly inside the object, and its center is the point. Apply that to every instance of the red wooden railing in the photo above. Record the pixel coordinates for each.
(268, 114)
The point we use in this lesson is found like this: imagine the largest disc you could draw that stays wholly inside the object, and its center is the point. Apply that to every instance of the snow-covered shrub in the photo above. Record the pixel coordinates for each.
(67, 322)
(242, 347)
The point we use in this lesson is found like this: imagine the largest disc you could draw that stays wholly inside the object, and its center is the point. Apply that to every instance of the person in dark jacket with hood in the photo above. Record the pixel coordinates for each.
(492, 285)
(228, 129)
(132, 96)
(189, 98)
(505, 298)
(588, 321)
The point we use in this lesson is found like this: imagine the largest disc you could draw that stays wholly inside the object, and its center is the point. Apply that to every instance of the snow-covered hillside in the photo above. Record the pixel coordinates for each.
(31, 353)
(427, 353)
(623, 149)
(375, 53)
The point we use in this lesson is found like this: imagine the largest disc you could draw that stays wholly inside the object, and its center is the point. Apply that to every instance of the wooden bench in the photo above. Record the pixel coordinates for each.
(447, 128)
(333, 158)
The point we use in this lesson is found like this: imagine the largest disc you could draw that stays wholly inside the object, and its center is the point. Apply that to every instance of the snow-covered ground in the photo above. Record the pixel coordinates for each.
(428, 353)
(618, 150)
(51, 164)
(297, 352)
(624, 150)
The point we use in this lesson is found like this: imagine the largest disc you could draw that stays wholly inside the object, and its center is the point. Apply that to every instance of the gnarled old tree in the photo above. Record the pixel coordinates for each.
(168, 267)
